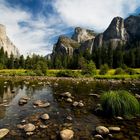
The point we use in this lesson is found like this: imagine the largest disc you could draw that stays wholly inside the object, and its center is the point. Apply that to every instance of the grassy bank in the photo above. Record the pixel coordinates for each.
(71, 73)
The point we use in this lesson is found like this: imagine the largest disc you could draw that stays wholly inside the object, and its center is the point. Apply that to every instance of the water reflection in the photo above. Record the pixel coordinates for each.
(12, 114)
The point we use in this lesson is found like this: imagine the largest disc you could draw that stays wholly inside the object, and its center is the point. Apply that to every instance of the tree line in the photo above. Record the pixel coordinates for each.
(36, 63)
(114, 58)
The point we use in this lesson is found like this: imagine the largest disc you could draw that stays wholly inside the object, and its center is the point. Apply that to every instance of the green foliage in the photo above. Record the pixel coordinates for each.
(1, 66)
(40, 68)
(130, 71)
(89, 68)
(67, 73)
(119, 103)
(104, 69)
(119, 71)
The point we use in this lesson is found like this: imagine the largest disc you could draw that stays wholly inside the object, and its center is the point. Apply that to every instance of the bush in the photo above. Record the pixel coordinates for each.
(40, 68)
(130, 71)
(119, 71)
(104, 69)
(119, 103)
(89, 69)
(67, 73)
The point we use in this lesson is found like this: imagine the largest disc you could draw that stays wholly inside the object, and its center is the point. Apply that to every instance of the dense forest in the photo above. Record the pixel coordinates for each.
(114, 58)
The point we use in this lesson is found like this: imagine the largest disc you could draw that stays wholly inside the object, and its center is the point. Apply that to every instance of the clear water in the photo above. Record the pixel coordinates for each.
(84, 120)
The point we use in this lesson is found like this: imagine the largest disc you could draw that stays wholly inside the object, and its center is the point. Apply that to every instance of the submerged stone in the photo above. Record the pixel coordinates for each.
(3, 132)
(66, 134)
(98, 137)
(102, 130)
(29, 127)
(115, 129)
(45, 117)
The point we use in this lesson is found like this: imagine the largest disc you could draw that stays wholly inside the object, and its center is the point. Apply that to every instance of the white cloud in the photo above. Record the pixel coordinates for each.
(35, 36)
(95, 14)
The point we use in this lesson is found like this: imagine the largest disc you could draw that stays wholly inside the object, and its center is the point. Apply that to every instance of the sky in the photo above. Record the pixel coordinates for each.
(35, 25)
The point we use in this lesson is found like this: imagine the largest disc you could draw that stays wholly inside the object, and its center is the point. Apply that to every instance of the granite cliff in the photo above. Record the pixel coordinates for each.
(119, 32)
(6, 43)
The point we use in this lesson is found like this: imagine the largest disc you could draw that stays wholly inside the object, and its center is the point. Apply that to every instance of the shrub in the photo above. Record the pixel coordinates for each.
(104, 69)
(119, 71)
(89, 69)
(119, 103)
(67, 73)
(130, 71)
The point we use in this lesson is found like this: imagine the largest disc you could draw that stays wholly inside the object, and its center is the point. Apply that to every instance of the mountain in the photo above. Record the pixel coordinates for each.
(114, 35)
(65, 46)
(5, 42)
(119, 32)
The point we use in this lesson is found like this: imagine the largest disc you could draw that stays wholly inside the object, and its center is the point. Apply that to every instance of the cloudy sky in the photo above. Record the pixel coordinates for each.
(34, 25)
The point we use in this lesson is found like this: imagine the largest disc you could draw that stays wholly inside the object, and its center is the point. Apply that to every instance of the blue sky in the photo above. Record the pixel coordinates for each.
(34, 25)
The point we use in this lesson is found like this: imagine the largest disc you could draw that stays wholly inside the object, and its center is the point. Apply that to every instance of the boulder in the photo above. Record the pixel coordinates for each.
(22, 101)
(29, 127)
(3, 132)
(102, 130)
(40, 103)
(66, 94)
(45, 117)
(75, 104)
(66, 134)
(98, 137)
(115, 129)
(69, 100)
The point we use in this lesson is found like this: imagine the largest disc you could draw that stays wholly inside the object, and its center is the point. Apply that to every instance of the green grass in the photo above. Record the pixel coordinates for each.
(119, 103)
(70, 73)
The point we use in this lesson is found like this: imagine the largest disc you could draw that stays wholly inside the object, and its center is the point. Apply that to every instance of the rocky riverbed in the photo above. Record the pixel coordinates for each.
(62, 108)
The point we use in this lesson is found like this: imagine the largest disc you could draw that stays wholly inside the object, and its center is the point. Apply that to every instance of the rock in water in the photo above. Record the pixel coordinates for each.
(66, 134)
(40, 103)
(22, 102)
(44, 117)
(69, 100)
(98, 137)
(3, 132)
(115, 129)
(102, 130)
(29, 127)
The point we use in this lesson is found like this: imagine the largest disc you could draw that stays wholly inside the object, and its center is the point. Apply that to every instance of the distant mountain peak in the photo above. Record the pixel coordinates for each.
(5, 42)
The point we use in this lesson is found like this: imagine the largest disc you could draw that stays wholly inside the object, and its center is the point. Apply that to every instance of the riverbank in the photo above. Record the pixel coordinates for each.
(70, 74)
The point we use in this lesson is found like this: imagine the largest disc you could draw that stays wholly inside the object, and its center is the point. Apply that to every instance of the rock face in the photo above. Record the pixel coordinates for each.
(116, 30)
(119, 32)
(114, 35)
(81, 40)
(81, 35)
(132, 25)
(65, 46)
(5, 42)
